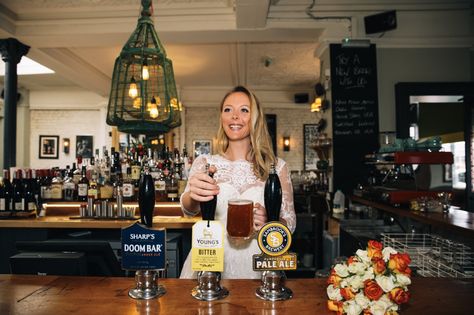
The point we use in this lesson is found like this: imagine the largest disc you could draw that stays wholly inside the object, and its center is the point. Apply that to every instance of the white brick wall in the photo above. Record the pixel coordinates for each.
(65, 124)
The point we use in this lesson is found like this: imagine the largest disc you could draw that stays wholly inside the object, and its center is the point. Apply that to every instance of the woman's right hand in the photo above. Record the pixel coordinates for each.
(203, 187)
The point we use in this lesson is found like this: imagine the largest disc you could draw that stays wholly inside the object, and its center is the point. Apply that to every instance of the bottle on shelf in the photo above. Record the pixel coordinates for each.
(29, 202)
(172, 190)
(57, 187)
(6, 192)
(160, 188)
(93, 190)
(17, 197)
(83, 185)
(69, 187)
(128, 187)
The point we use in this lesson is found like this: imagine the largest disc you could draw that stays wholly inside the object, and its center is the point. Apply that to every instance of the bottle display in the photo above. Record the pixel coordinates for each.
(273, 195)
(96, 177)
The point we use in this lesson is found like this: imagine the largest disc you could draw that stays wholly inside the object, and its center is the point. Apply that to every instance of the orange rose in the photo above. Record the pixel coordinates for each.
(399, 263)
(351, 260)
(374, 249)
(399, 296)
(335, 306)
(372, 290)
(367, 312)
(378, 265)
(334, 279)
(347, 293)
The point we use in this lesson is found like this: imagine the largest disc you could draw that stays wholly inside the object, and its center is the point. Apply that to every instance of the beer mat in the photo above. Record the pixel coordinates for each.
(77, 217)
(5, 215)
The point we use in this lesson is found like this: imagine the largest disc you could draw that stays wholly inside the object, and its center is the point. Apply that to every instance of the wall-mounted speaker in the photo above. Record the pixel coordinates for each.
(301, 98)
(380, 22)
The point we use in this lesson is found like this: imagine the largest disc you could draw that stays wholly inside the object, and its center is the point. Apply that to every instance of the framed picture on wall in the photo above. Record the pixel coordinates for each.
(48, 147)
(84, 145)
(202, 147)
(310, 132)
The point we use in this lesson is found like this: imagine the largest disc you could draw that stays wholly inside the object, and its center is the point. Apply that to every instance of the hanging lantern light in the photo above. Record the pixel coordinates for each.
(143, 75)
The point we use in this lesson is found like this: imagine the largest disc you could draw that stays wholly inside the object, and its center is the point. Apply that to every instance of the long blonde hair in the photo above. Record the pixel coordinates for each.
(261, 151)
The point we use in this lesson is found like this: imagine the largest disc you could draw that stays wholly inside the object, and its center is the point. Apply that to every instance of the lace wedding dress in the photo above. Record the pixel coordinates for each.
(237, 180)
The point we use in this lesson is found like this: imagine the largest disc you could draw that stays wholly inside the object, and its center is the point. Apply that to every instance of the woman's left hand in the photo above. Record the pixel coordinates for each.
(259, 216)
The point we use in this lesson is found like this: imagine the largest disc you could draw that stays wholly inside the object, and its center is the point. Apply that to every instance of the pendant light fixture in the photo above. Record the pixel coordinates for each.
(143, 96)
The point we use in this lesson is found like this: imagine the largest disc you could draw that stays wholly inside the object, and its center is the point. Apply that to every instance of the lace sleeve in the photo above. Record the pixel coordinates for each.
(287, 205)
(199, 165)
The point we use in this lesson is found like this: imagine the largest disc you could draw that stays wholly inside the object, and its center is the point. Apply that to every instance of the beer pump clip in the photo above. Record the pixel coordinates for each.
(207, 253)
(144, 248)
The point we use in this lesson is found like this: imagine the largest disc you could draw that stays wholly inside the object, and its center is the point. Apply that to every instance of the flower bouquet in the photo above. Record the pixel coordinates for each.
(374, 281)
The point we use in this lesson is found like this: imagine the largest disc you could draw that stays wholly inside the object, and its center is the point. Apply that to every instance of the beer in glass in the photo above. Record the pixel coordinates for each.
(240, 218)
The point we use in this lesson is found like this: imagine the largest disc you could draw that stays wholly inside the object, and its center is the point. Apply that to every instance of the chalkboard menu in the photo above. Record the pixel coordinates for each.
(354, 112)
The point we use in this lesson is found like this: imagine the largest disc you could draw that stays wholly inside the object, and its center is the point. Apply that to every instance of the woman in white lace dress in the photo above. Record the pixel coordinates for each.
(241, 167)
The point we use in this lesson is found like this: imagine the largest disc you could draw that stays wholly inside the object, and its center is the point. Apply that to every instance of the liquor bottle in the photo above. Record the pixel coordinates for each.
(128, 188)
(136, 168)
(160, 187)
(57, 187)
(208, 208)
(36, 187)
(69, 188)
(83, 185)
(172, 190)
(273, 195)
(17, 197)
(45, 191)
(146, 198)
(93, 190)
(29, 203)
(6, 192)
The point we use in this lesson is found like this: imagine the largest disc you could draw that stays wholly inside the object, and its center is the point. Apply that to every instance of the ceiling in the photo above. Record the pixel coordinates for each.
(273, 44)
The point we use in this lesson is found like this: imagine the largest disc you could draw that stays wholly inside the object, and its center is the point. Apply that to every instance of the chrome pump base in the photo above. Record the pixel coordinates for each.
(209, 287)
(272, 288)
(147, 286)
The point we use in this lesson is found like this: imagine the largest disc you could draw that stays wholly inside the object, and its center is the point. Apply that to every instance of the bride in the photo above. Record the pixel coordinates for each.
(241, 167)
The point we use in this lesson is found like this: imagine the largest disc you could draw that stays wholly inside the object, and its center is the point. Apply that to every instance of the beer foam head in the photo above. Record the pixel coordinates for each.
(239, 202)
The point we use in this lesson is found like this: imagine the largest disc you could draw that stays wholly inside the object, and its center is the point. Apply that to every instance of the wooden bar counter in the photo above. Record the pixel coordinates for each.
(21, 294)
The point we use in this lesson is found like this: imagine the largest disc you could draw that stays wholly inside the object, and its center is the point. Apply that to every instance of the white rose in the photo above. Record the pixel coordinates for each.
(386, 252)
(363, 256)
(362, 300)
(386, 283)
(380, 306)
(341, 270)
(403, 280)
(357, 268)
(351, 308)
(356, 283)
(334, 293)
(368, 274)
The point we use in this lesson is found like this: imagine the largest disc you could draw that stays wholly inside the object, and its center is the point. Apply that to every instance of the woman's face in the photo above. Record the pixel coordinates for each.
(235, 116)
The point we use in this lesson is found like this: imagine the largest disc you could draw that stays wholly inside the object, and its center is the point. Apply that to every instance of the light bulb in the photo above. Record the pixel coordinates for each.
(316, 105)
(137, 102)
(133, 91)
(145, 72)
(153, 111)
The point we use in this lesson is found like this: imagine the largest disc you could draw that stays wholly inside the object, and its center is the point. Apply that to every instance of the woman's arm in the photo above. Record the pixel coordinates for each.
(287, 214)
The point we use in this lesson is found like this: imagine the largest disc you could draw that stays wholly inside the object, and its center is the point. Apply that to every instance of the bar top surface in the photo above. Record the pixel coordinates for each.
(29, 294)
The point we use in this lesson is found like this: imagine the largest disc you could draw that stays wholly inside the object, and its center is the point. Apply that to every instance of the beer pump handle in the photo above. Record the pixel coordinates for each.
(208, 208)
(273, 195)
(146, 198)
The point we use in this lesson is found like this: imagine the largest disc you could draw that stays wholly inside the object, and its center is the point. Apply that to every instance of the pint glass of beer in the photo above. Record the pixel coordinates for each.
(240, 218)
